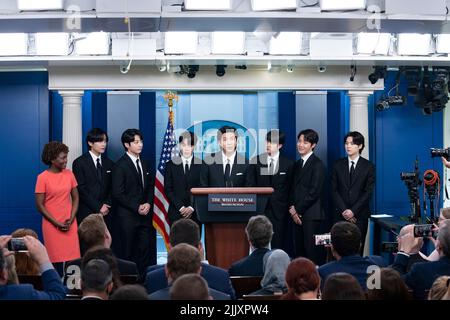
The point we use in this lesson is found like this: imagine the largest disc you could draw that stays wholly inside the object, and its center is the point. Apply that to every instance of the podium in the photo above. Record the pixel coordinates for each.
(225, 213)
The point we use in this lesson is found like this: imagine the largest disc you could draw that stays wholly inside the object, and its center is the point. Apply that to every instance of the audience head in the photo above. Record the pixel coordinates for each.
(439, 288)
(447, 295)
(444, 214)
(182, 259)
(259, 231)
(190, 286)
(302, 280)
(418, 241)
(24, 264)
(275, 264)
(392, 287)
(106, 255)
(3, 270)
(55, 154)
(130, 292)
(11, 268)
(345, 239)
(184, 231)
(96, 278)
(443, 239)
(342, 286)
(93, 232)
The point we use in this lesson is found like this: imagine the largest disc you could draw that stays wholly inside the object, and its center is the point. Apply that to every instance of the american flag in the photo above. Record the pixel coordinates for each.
(161, 204)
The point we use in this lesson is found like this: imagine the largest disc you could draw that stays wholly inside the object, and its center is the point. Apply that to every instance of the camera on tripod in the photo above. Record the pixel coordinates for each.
(409, 176)
(385, 103)
(435, 152)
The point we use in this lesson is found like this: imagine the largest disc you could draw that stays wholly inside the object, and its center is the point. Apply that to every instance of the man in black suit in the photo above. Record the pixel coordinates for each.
(93, 173)
(182, 174)
(132, 191)
(226, 168)
(306, 204)
(352, 182)
(274, 170)
(259, 232)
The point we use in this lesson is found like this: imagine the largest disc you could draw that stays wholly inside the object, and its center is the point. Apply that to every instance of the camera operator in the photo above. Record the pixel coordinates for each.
(54, 289)
(445, 162)
(414, 252)
(444, 214)
(422, 275)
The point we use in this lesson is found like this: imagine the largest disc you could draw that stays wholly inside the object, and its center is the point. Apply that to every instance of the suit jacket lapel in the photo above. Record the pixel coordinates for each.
(134, 170)
(305, 167)
(358, 170)
(91, 165)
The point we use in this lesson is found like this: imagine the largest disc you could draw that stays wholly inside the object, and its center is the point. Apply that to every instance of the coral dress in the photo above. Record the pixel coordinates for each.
(61, 246)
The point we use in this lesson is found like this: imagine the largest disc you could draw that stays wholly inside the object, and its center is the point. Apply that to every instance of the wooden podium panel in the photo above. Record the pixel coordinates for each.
(225, 243)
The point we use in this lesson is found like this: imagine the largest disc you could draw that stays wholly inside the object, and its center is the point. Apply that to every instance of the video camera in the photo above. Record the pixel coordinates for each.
(435, 152)
(412, 181)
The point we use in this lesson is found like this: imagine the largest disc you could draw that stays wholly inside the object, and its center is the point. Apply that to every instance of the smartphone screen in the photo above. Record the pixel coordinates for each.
(423, 230)
(17, 245)
(322, 239)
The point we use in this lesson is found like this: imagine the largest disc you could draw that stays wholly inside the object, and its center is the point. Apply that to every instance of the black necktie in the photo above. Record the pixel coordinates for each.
(140, 172)
(227, 172)
(186, 168)
(352, 171)
(301, 163)
(271, 165)
(99, 169)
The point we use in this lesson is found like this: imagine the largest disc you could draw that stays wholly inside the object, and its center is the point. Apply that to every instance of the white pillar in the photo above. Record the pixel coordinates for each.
(72, 130)
(359, 116)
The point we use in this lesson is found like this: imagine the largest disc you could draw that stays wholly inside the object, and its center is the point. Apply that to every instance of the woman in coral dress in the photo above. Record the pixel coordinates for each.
(57, 200)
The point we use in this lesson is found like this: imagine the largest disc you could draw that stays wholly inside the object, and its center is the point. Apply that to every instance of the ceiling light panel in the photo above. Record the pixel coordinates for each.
(52, 44)
(286, 43)
(331, 5)
(271, 5)
(13, 44)
(227, 42)
(414, 44)
(95, 43)
(208, 4)
(39, 5)
(184, 42)
(373, 43)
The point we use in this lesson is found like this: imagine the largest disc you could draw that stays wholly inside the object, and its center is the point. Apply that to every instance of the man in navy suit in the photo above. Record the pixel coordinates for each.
(352, 182)
(345, 245)
(271, 169)
(422, 275)
(183, 259)
(306, 196)
(53, 287)
(182, 174)
(187, 231)
(93, 173)
(132, 191)
(259, 233)
(226, 168)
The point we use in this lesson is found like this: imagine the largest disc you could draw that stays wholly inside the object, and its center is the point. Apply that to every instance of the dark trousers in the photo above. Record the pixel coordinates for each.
(304, 241)
(138, 243)
(362, 225)
(279, 229)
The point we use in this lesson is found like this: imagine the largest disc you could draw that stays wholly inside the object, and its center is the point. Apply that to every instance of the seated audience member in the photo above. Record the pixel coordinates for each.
(391, 287)
(444, 214)
(190, 286)
(183, 259)
(259, 234)
(422, 275)
(24, 264)
(11, 269)
(105, 254)
(187, 231)
(54, 289)
(439, 288)
(275, 264)
(345, 244)
(130, 292)
(96, 280)
(93, 232)
(416, 255)
(302, 280)
(342, 286)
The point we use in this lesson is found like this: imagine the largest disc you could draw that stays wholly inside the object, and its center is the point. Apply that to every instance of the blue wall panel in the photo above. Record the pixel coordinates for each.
(24, 129)
(402, 134)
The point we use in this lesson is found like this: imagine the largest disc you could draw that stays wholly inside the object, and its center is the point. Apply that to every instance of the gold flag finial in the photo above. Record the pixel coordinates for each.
(169, 97)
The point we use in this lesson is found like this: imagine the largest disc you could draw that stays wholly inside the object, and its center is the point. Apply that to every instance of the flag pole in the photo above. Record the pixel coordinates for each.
(169, 97)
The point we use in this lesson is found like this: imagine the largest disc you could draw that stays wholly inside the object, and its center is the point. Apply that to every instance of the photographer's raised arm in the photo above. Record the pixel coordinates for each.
(445, 162)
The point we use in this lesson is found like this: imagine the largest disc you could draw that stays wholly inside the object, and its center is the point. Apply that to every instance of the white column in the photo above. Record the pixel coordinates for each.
(359, 116)
(72, 130)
